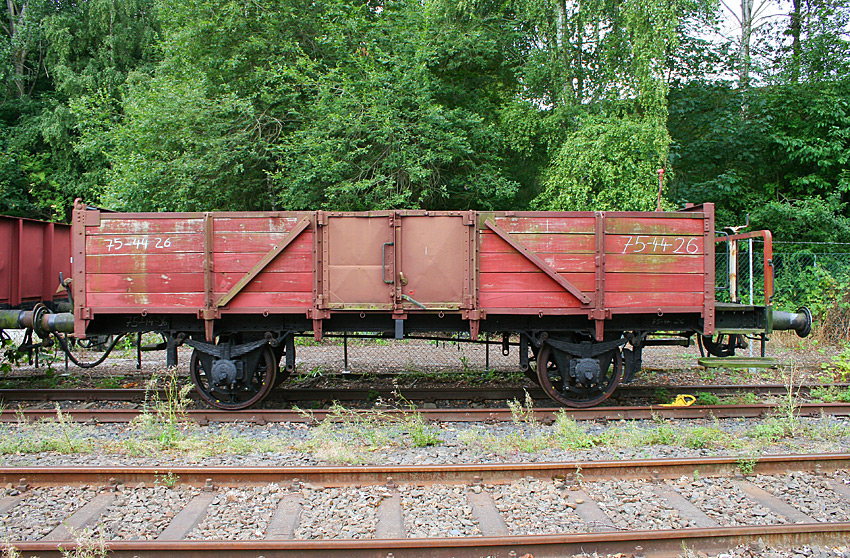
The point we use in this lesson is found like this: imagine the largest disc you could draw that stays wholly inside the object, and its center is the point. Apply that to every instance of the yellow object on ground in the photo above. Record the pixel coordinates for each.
(682, 400)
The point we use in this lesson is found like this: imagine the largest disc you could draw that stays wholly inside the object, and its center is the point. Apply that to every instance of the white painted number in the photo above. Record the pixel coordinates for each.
(662, 244)
(138, 242)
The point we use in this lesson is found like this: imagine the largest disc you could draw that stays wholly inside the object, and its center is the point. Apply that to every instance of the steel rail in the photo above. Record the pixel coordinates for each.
(343, 393)
(652, 543)
(492, 473)
(545, 415)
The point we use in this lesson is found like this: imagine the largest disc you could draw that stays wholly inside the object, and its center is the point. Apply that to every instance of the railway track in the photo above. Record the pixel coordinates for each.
(414, 394)
(545, 415)
(495, 505)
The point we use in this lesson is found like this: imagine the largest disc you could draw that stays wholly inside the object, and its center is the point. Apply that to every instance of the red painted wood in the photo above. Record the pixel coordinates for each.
(285, 262)
(643, 282)
(652, 301)
(152, 226)
(260, 243)
(522, 299)
(533, 282)
(267, 282)
(268, 300)
(181, 262)
(135, 302)
(493, 262)
(570, 243)
(649, 263)
(255, 224)
(135, 244)
(145, 283)
(651, 225)
(546, 225)
(653, 245)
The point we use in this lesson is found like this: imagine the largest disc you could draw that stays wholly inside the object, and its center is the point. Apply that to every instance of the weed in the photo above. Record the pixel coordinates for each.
(569, 435)
(87, 545)
(705, 398)
(746, 398)
(840, 365)
(67, 427)
(831, 394)
(10, 551)
(421, 434)
(168, 479)
(747, 464)
(164, 420)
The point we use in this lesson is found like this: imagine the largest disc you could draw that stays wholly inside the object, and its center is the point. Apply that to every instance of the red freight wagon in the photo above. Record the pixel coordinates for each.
(584, 291)
(32, 255)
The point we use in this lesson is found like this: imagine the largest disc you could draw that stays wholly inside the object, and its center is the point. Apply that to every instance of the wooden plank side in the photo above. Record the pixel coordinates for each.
(653, 225)
(268, 301)
(654, 300)
(145, 283)
(267, 282)
(151, 226)
(523, 299)
(494, 262)
(644, 282)
(532, 282)
(258, 242)
(556, 242)
(255, 224)
(650, 263)
(285, 262)
(180, 262)
(546, 225)
(138, 301)
(655, 245)
(143, 244)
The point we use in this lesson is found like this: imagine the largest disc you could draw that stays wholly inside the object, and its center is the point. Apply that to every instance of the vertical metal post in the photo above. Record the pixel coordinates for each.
(345, 369)
(733, 270)
(487, 351)
(139, 351)
(752, 299)
(66, 352)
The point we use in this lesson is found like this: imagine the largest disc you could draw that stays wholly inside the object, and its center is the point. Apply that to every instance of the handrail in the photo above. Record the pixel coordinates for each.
(768, 258)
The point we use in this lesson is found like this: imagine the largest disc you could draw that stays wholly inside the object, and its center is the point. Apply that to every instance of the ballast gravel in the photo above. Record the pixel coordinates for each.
(724, 502)
(340, 513)
(437, 511)
(534, 507)
(41, 511)
(634, 505)
(237, 514)
(142, 513)
(811, 494)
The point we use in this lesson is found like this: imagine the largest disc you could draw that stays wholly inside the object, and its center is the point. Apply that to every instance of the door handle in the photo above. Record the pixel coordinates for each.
(384, 262)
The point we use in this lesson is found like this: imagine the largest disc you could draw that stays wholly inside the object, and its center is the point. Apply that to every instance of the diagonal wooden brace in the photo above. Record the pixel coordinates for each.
(537, 261)
(261, 265)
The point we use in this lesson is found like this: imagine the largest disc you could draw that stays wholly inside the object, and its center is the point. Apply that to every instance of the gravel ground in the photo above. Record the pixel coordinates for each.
(811, 494)
(41, 511)
(634, 505)
(237, 514)
(437, 511)
(340, 513)
(142, 513)
(534, 507)
(724, 502)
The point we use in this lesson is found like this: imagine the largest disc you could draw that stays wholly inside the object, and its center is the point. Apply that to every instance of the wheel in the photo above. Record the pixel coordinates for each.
(282, 373)
(257, 379)
(569, 391)
(723, 344)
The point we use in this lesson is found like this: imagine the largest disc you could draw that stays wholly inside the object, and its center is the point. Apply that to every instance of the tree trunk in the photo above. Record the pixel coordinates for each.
(744, 52)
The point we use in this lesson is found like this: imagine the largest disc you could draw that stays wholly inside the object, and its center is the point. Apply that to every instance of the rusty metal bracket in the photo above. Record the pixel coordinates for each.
(261, 265)
(537, 261)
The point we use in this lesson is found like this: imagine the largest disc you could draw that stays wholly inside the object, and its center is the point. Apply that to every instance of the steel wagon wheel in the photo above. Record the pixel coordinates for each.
(570, 392)
(256, 383)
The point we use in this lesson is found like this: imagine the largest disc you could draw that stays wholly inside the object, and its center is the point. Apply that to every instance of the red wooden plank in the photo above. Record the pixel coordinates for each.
(145, 283)
(136, 302)
(181, 262)
(649, 263)
(522, 299)
(143, 244)
(532, 282)
(656, 245)
(286, 262)
(653, 225)
(654, 300)
(546, 225)
(492, 262)
(570, 243)
(254, 224)
(643, 282)
(269, 301)
(158, 227)
(267, 282)
(260, 242)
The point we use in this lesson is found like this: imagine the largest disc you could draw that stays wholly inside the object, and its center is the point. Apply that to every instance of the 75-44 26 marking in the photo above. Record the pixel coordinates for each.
(137, 243)
(662, 244)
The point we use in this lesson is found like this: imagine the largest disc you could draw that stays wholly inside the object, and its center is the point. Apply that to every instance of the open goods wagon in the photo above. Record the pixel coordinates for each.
(584, 291)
